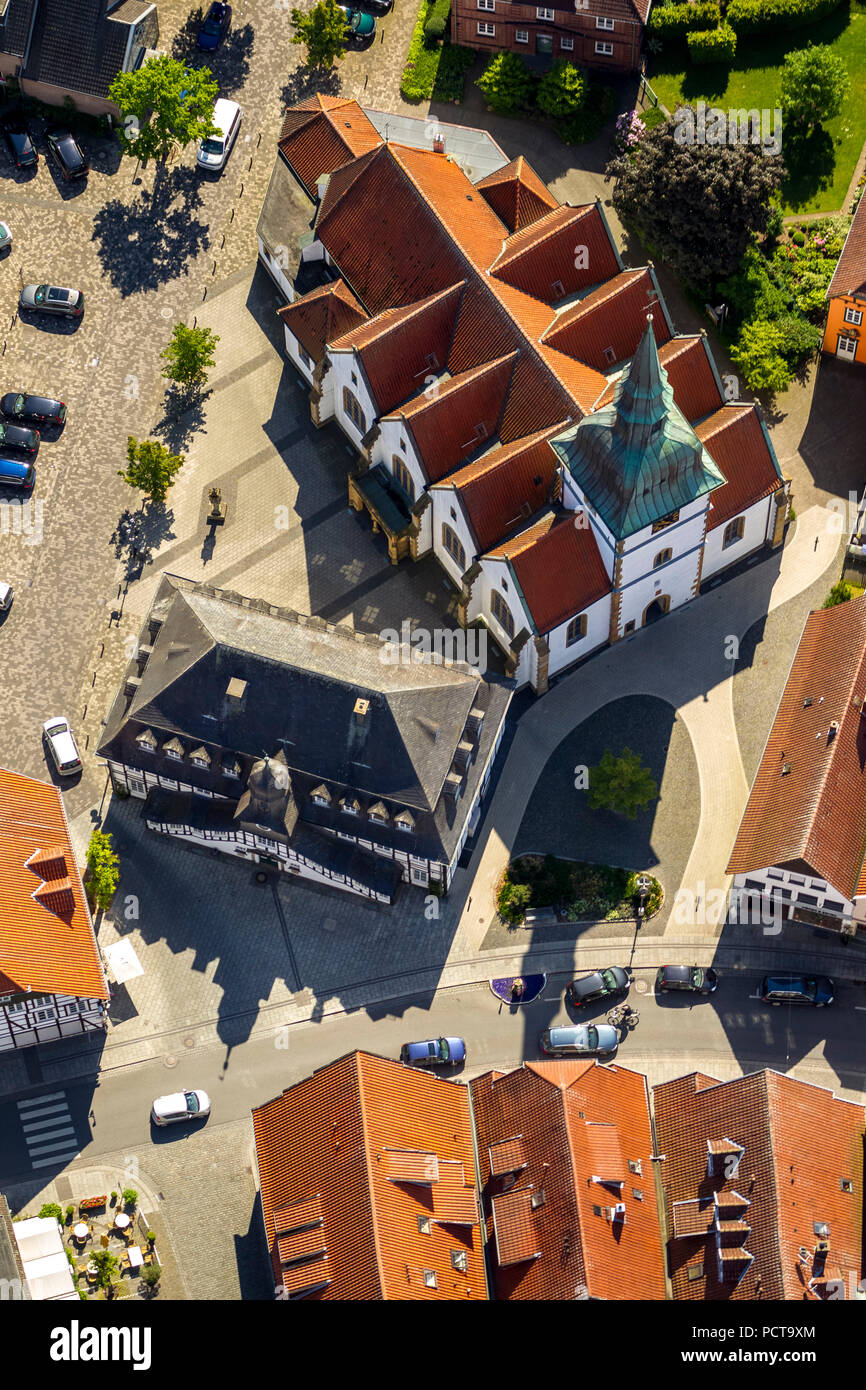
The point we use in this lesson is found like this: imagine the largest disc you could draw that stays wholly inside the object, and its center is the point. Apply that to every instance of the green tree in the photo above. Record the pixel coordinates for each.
(103, 865)
(322, 30)
(189, 355)
(51, 1209)
(698, 205)
(163, 104)
(840, 593)
(760, 354)
(106, 1268)
(507, 83)
(621, 784)
(815, 86)
(562, 90)
(151, 467)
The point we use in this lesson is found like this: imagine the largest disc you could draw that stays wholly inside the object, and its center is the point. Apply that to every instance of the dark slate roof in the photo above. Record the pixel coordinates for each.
(76, 45)
(639, 459)
(302, 684)
(13, 35)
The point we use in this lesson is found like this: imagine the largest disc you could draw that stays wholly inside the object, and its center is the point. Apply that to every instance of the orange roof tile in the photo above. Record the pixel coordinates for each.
(849, 277)
(606, 326)
(558, 567)
(455, 417)
(506, 484)
(686, 359)
(330, 1144)
(815, 812)
(47, 943)
(799, 1141)
(737, 442)
(321, 316)
(559, 1109)
(507, 1156)
(322, 134)
(543, 260)
(516, 194)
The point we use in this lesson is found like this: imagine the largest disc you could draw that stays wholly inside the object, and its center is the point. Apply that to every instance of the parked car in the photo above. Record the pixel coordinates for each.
(19, 437)
(52, 299)
(215, 27)
(375, 6)
(5, 236)
(183, 1105)
(592, 988)
(580, 1039)
(15, 473)
(358, 24)
(18, 405)
(17, 137)
(693, 979)
(214, 150)
(816, 990)
(68, 154)
(62, 746)
(437, 1052)
(7, 593)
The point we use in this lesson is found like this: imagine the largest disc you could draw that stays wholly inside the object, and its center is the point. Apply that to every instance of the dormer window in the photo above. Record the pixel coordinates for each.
(350, 806)
(147, 741)
(320, 796)
(379, 814)
(200, 757)
(231, 769)
(404, 820)
(173, 749)
(609, 356)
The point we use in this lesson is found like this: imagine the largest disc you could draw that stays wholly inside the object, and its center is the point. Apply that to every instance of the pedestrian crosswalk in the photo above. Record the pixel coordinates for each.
(48, 1130)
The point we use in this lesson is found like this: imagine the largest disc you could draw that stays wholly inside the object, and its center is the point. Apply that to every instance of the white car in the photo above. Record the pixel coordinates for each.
(5, 236)
(62, 746)
(7, 593)
(184, 1105)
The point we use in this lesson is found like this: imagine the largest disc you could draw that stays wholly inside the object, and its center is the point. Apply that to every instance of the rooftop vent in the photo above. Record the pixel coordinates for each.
(236, 689)
(361, 708)
(786, 768)
(833, 730)
(438, 143)
(807, 702)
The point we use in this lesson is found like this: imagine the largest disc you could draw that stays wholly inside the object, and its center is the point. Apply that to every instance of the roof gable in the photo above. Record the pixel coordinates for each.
(322, 134)
(741, 448)
(321, 316)
(516, 194)
(506, 484)
(849, 277)
(606, 326)
(558, 566)
(450, 421)
(564, 252)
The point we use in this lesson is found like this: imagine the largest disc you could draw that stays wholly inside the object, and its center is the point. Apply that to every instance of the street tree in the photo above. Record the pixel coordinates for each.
(815, 87)
(189, 355)
(624, 784)
(696, 205)
(103, 865)
(151, 467)
(163, 104)
(106, 1269)
(322, 31)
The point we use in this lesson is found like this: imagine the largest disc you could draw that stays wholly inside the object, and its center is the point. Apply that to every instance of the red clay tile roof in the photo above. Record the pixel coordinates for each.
(612, 317)
(507, 1156)
(849, 277)
(516, 194)
(815, 813)
(322, 316)
(737, 443)
(449, 423)
(558, 567)
(542, 259)
(505, 484)
(799, 1142)
(322, 134)
(322, 1147)
(560, 1109)
(686, 359)
(46, 935)
(401, 348)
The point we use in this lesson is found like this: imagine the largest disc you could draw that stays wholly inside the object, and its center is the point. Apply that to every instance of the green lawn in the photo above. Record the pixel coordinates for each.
(819, 174)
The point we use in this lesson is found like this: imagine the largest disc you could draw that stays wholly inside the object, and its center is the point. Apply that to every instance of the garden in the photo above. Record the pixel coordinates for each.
(732, 54)
(435, 69)
(107, 1237)
(581, 892)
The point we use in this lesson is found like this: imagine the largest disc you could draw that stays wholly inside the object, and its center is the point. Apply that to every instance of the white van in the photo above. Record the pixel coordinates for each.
(214, 150)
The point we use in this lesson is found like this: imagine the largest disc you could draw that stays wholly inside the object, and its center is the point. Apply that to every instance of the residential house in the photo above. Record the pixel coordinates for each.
(844, 335)
(566, 1173)
(59, 49)
(763, 1185)
(799, 851)
(502, 378)
(604, 34)
(52, 983)
(286, 740)
(368, 1185)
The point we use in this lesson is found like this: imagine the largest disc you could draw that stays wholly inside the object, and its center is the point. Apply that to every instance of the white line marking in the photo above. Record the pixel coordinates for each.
(34, 1140)
(34, 1125)
(44, 1162)
(53, 1110)
(40, 1100)
(47, 1148)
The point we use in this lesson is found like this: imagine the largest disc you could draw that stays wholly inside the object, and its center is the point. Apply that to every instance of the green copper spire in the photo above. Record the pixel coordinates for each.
(638, 459)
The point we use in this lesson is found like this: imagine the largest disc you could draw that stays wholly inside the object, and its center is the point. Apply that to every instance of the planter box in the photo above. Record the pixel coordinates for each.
(92, 1203)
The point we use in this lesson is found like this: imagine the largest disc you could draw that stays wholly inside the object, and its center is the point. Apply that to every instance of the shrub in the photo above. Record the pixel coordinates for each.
(434, 29)
(841, 593)
(654, 896)
(513, 900)
(801, 339)
(151, 1275)
(630, 128)
(51, 1209)
(562, 90)
(798, 238)
(507, 83)
(130, 1196)
(712, 45)
(151, 1237)
(673, 21)
(775, 223)
(585, 125)
(70, 1212)
(757, 16)
(434, 70)
(759, 353)
(437, 18)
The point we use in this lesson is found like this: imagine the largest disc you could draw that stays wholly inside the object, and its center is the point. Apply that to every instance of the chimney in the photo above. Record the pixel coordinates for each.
(361, 710)
(833, 730)
(439, 143)
(235, 696)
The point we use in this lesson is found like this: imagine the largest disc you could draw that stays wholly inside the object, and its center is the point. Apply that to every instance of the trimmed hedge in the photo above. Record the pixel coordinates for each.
(673, 21)
(437, 17)
(712, 45)
(433, 70)
(757, 16)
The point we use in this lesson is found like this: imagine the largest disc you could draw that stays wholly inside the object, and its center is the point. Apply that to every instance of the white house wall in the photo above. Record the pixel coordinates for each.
(444, 501)
(803, 890)
(387, 447)
(758, 523)
(293, 352)
(343, 364)
(276, 272)
(597, 633)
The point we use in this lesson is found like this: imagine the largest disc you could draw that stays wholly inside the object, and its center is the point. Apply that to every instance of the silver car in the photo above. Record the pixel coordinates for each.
(52, 299)
(580, 1040)
(7, 593)
(62, 746)
(184, 1105)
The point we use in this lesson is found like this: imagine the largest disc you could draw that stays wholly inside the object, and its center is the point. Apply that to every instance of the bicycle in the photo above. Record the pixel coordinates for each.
(623, 1017)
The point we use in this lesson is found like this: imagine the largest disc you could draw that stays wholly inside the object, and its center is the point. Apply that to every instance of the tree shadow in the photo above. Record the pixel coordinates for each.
(810, 161)
(183, 417)
(230, 63)
(138, 535)
(305, 82)
(143, 244)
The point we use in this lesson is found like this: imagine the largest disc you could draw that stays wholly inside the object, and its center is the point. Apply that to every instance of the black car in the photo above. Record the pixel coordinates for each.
(375, 6)
(68, 154)
(17, 137)
(817, 990)
(16, 405)
(18, 437)
(692, 979)
(591, 988)
(215, 27)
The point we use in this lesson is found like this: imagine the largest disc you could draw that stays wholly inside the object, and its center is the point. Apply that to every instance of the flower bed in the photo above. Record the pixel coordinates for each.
(587, 892)
(92, 1203)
